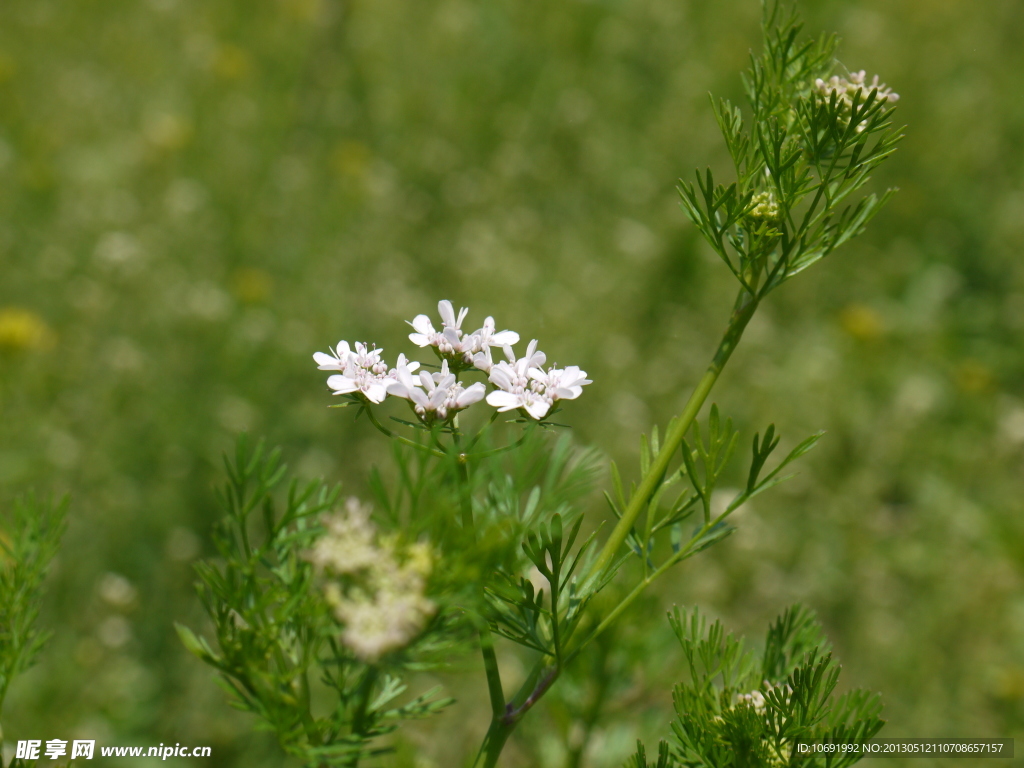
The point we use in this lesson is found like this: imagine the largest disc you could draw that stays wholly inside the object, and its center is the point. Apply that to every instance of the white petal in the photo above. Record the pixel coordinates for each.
(538, 374)
(399, 390)
(500, 378)
(342, 385)
(420, 339)
(473, 394)
(504, 401)
(328, 363)
(422, 324)
(342, 350)
(505, 337)
(437, 398)
(462, 316)
(375, 392)
(444, 309)
(482, 360)
(411, 367)
(452, 335)
(538, 408)
(405, 377)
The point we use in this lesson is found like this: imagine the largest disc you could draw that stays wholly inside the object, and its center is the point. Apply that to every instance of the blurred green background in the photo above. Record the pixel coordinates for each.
(196, 196)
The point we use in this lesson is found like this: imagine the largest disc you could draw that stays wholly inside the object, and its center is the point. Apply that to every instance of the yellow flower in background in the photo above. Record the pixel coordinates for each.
(23, 329)
(303, 10)
(974, 377)
(251, 285)
(167, 131)
(350, 158)
(232, 62)
(861, 322)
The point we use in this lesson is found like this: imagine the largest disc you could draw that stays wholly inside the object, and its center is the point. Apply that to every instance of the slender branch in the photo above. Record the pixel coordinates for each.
(593, 712)
(359, 718)
(744, 309)
(494, 687)
(399, 438)
(476, 438)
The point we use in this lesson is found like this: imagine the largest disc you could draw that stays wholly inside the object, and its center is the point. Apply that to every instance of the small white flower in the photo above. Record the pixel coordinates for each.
(363, 373)
(335, 361)
(435, 397)
(484, 338)
(559, 383)
(451, 342)
(523, 385)
(513, 376)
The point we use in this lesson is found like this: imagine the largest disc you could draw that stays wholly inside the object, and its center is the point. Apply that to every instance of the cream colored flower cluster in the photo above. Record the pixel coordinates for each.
(765, 207)
(374, 586)
(854, 87)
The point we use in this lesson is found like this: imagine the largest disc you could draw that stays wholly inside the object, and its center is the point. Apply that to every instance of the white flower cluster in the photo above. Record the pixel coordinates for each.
(362, 371)
(518, 384)
(451, 342)
(847, 89)
(374, 588)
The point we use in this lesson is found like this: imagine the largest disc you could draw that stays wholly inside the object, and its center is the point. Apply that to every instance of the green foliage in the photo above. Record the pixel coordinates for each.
(738, 711)
(30, 535)
(798, 161)
(276, 640)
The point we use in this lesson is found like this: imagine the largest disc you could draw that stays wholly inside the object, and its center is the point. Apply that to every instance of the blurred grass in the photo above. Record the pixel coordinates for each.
(198, 195)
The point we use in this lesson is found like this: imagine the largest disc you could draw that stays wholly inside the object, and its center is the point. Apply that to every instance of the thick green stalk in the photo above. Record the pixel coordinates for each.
(744, 309)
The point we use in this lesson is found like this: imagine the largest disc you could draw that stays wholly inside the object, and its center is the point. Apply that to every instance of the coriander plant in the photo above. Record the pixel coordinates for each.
(323, 607)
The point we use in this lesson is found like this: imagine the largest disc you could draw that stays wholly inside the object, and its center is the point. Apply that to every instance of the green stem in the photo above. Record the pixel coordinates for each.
(359, 717)
(536, 685)
(484, 428)
(678, 557)
(593, 712)
(465, 496)
(744, 309)
(494, 689)
(399, 438)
